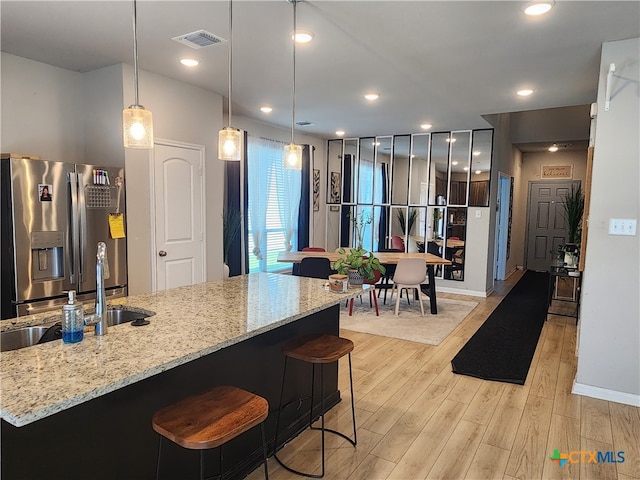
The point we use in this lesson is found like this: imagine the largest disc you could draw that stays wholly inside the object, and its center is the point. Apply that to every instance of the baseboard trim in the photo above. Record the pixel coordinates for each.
(606, 394)
(460, 291)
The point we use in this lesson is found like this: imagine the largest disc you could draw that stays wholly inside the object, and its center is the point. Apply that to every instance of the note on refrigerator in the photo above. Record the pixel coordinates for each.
(116, 225)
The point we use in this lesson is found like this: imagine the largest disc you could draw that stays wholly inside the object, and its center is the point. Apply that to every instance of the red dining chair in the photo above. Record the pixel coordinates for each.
(313, 249)
(397, 243)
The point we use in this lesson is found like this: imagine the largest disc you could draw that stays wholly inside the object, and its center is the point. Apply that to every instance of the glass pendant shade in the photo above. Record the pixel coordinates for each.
(230, 144)
(137, 125)
(293, 157)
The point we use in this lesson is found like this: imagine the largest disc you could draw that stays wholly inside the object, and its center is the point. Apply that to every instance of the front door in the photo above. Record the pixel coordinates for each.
(179, 204)
(546, 228)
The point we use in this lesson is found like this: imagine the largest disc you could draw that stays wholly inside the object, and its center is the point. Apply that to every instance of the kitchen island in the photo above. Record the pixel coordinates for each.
(86, 408)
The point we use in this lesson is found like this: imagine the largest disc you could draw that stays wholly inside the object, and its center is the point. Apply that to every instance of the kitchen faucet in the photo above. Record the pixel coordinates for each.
(99, 319)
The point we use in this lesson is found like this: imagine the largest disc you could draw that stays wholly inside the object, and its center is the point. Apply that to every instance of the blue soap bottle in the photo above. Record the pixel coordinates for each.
(72, 320)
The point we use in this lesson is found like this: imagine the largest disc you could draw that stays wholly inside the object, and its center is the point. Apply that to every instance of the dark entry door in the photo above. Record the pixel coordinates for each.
(546, 228)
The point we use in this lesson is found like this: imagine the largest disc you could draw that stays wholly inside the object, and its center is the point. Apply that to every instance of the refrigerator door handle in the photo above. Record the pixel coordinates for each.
(82, 208)
(75, 228)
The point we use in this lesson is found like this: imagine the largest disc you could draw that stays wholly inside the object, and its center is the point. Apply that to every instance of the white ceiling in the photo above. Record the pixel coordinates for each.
(447, 63)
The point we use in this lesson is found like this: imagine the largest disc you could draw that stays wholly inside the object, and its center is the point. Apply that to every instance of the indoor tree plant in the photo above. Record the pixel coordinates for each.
(413, 213)
(358, 260)
(573, 208)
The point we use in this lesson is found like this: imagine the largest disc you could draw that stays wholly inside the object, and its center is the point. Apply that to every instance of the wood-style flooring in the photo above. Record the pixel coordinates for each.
(418, 420)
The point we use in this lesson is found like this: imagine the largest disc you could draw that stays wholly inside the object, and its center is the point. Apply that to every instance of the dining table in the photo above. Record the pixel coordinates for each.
(386, 258)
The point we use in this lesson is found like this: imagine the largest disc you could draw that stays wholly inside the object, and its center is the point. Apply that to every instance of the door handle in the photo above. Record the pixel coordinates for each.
(162, 253)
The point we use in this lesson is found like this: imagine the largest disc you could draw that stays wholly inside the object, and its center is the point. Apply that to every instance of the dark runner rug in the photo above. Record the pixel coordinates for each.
(504, 345)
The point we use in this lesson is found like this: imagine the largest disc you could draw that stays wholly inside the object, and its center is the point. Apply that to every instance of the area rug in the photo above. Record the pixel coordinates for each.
(408, 325)
(503, 346)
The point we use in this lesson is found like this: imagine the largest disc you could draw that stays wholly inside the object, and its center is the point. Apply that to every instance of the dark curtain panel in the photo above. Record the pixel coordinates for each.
(233, 203)
(346, 197)
(384, 211)
(303, 214)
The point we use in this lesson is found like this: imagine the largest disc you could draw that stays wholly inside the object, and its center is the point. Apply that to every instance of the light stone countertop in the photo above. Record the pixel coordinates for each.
(189, 323)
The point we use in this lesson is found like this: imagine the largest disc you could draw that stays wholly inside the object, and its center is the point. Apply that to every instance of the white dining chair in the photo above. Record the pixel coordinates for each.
(410, 274)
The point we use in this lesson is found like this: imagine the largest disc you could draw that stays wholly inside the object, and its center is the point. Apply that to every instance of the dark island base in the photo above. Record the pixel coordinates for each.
(110, 437)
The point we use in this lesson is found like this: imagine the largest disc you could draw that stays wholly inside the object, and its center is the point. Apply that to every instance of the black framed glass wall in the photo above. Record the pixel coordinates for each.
(415, 189)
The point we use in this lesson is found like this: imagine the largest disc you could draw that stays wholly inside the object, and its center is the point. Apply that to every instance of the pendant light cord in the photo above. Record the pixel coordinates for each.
(293, 95)
(135, 55)
(230, 57)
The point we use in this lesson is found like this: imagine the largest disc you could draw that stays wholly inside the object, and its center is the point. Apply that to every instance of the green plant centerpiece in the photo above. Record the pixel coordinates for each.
(358, 260)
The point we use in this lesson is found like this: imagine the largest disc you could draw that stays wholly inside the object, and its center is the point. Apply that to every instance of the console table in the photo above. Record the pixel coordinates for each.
(556, 273)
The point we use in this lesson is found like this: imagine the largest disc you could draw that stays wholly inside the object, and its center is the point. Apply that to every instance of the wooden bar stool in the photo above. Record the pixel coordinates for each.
(317, 349)
(211, 419)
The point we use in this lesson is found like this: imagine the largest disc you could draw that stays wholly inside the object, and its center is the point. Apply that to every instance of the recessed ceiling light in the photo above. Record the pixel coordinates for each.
(538, 7)
(372, 96)
(553, 148)
(451, 140)
(466, 169)
(340, 132)
(189, 62)
(266, 109)
(302, 36)
(426, 126)
(454, 163)
(476, 153)
(478, 172)
(525, 92)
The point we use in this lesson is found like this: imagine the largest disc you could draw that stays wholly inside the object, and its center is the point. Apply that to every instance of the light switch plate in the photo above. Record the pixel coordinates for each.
(623, 226)
(478, 213)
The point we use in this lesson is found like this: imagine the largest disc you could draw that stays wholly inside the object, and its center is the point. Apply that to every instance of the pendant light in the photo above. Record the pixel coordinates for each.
(137, 122)
(230, 139)
(293, 152)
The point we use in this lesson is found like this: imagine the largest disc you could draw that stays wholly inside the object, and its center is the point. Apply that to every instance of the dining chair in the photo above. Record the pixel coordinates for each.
(296, 266)
(315, 267)
(390, 269)
(397, 242)
(410, 274)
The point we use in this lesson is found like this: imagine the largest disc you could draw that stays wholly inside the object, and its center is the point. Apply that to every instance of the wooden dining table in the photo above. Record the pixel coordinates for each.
(386, 258)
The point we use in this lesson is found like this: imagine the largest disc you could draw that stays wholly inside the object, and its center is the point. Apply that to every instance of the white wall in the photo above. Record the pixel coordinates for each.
(41, 110)
(186, 114)
(609, 354)
(63, 115)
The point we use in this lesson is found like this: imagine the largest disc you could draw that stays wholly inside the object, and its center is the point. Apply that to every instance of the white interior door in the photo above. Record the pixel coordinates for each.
(179, 206)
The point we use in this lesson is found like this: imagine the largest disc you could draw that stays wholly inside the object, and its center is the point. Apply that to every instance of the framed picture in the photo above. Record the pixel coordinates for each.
(316, 190)
(335, 187)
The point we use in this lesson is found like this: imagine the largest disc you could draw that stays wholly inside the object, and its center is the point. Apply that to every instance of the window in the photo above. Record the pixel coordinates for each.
(274, 199)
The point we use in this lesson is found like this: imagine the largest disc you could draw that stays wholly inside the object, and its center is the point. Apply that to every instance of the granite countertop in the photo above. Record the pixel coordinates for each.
(189, 322)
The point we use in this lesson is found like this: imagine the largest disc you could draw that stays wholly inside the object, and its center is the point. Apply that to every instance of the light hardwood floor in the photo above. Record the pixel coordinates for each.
(418, 420)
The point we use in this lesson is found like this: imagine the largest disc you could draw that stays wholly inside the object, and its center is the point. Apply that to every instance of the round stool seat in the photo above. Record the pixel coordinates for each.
(318, 348)
(212, 418)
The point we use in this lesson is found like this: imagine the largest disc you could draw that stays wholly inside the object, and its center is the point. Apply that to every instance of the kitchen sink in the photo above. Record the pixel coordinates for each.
(116, 316)
(28, 336)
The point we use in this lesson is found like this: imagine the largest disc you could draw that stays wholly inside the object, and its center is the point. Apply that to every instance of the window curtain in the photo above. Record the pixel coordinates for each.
(233, 202)
(305, 196)
(260, 154)
(384, 211)
(345, 221)
(289, 194)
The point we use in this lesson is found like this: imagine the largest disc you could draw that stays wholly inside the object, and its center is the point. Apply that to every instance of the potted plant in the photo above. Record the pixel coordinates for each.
(573, 208)
(360, 222)
(231, 222)
(359, 264)
(413, 214)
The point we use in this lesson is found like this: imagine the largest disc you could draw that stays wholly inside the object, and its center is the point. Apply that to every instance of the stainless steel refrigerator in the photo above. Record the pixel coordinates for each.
(53, 215)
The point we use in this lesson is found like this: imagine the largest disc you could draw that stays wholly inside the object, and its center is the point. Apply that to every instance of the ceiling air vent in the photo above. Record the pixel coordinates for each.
(304, 124)
(198, 39)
